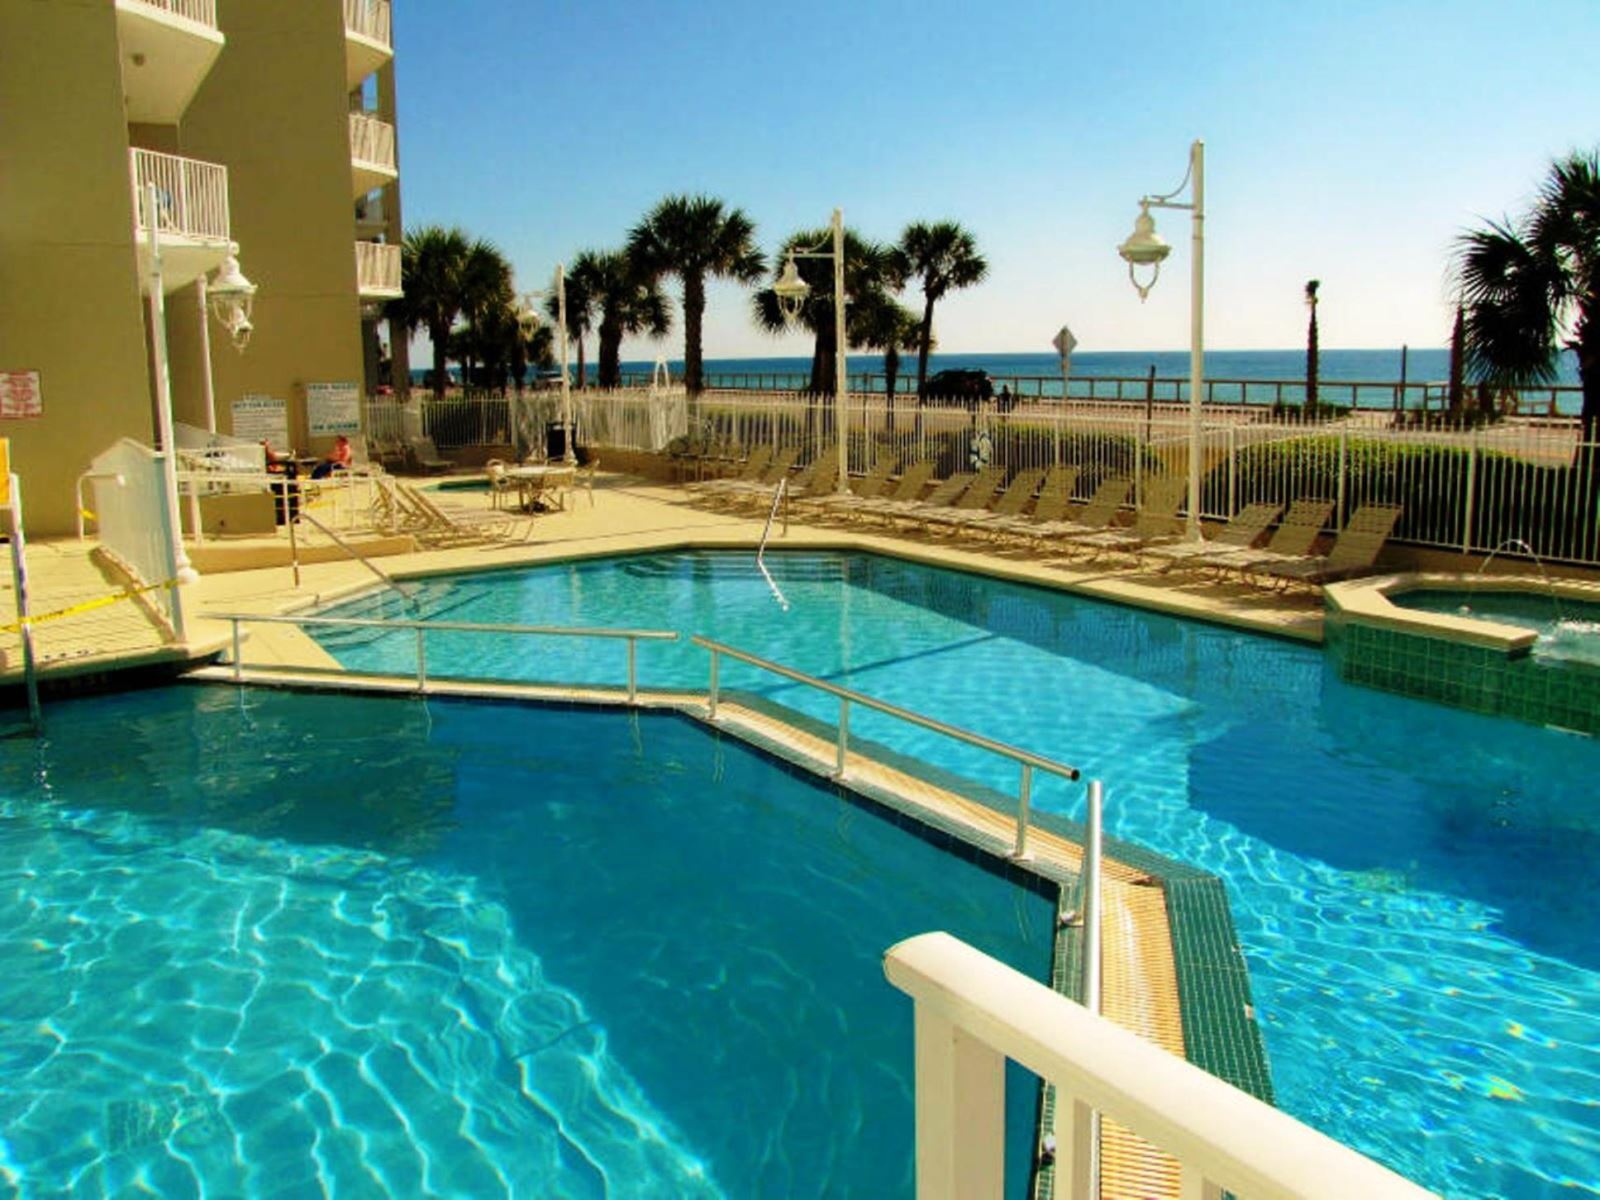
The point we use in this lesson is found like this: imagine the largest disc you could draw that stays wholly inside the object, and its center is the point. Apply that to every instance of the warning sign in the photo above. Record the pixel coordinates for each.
(20, 395)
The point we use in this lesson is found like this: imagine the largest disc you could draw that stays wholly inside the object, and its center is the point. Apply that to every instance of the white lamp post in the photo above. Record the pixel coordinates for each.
(1144, 247)
(230, 298)
(791, 292)
(559, 289)
(181, 571)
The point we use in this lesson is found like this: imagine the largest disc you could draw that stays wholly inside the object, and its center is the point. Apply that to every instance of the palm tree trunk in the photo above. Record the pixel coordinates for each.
(924, 341)
(437, 336)
(694, 314)
(583, 368)
(891, 375)
(610, 354)
(1312, 396)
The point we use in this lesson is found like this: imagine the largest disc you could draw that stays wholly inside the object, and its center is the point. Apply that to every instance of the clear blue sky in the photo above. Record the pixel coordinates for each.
(1348, 142)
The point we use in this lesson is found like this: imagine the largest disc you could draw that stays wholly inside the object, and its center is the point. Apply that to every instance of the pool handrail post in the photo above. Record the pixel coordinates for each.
(422, 658)
(844, 737)
(238, 654)
(633, 670)
(1024, 804)
(1085, 1120)
(711, 693)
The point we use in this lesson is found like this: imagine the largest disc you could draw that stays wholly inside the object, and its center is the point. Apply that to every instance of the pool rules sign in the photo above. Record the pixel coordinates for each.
(20, 394)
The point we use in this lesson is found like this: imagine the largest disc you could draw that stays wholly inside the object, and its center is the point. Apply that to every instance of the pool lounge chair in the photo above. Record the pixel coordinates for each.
(1096, 514)
(735, 491)
(1248, 526)
(750, 471)
(1016, 497)
(1292, 541)
(876, 480)
(945, 493)
(1354, 552)
(910, 485)
(980, 493)
(435, 527)
(1054, 499)
(1155, 520)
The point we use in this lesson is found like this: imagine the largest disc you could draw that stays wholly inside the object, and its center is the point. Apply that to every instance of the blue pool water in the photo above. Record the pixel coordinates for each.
(265, 944)
(1413, 884)
(1568, 629)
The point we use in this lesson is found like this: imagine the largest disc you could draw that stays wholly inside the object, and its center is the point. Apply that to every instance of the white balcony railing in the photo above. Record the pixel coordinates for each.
(377, 269)
(973, 1012)
(201, 12)
(371, 141)
(191, 196)
(371, 19)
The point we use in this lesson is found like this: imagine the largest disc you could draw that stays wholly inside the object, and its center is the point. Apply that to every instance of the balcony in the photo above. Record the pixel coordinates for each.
(166, 49)
(377, 271)
(372, 219)
(372, 162)
(191, 213)
(368, 38)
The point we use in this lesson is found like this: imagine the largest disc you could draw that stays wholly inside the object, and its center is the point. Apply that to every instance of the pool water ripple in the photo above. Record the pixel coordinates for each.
(1406, 879)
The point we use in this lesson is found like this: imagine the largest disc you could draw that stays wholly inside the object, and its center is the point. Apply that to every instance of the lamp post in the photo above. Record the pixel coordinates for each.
(1145, 247)
(791, 292)
(559, 289)
(180, 570)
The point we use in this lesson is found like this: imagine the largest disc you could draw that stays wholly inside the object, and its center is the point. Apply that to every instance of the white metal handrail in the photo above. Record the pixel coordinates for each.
(191, 196)
(779, 493)
(372, 141)
(1026, 760)
(974, 1012)
(422, 628)
(377, 267)
(201, 12)
(372, 19)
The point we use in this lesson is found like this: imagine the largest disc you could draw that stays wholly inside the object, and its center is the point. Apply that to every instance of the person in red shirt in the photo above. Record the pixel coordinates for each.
(338, 459)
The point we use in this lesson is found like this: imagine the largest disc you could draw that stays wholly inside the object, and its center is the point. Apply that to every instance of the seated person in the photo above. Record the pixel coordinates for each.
(338, 459)
(277, 464)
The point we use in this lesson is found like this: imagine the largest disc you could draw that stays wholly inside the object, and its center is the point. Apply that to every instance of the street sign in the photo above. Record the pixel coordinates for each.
(1064, 343)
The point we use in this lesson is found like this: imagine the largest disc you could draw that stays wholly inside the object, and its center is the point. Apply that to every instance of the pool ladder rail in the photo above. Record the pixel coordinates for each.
(779, 495)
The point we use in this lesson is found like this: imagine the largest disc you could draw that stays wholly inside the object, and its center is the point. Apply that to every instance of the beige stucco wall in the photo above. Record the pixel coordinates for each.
(275, 110)
(69, 291)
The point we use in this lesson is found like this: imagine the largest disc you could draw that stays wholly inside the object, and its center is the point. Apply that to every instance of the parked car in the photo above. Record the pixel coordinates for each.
(970, 386)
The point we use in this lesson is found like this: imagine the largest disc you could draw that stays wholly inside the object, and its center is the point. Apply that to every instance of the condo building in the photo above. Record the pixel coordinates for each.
(262, 126)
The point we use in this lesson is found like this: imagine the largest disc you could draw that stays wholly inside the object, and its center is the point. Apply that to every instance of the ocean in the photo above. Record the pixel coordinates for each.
(1233, 375)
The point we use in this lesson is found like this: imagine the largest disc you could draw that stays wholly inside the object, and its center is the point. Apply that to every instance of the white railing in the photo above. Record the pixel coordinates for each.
(372, 141)
(973, 1012)
(377, 269)
(191, 196)
(128, 502)
(201, 12)
(371, 19)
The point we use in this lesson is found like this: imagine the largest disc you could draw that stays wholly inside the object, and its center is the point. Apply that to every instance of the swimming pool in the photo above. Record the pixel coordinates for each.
(258, 943)
(1568, 628)
(1410, 882)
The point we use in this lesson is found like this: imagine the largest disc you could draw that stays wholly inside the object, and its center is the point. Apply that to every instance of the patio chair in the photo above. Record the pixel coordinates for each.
(980, 493)
(910, 485)
(435, 527)
(1095, 514)
(501, 485)
(944, 494)
(1055, 495)
(1156, 519)
(1293, 539)
(1248, 526)
(425, 456)
(877, 479)
(1016, 497)
(751, 470)
(824, 467)
(1354, 552)
(737, 490)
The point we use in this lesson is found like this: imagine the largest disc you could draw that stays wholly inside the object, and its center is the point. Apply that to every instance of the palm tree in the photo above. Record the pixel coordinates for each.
(870, 273)
(580, 307)
(432, 260)
(487, 303)
(1531, 288)
(629, 301)
(891, 327)
(1311, 347)
(693, 237)
(944, 256)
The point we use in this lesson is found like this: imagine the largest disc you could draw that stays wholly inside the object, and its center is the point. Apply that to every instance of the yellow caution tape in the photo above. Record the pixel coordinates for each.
(86, 606)
(87, 515)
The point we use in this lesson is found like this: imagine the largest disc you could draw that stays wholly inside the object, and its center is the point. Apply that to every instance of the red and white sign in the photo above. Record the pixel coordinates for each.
(20, 395)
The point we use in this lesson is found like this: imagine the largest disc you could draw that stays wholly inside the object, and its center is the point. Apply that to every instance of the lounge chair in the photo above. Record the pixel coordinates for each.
(1016, 497)
(911, 483)
(980, 493)
(1354, 552)
(750, 471)
(1248, 526)
(425, 457)
(944, 494)
(1055, 495)
(1295, 535)
(1156, 519)
(736, 490)
(877, 479)
(1095, 515)
(435, 527)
